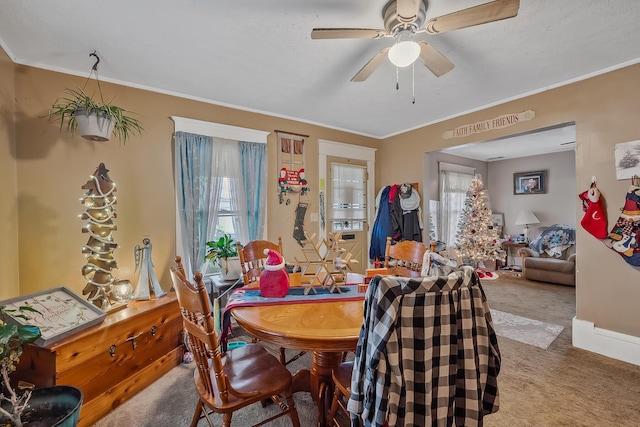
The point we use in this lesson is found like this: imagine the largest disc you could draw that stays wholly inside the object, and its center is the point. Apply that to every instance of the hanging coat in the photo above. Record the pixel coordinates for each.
(381, 227)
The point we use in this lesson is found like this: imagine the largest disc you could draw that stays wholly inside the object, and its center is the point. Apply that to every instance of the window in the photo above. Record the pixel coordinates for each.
(348, 197)
(454, 184)
(227, 216)
(220, 179)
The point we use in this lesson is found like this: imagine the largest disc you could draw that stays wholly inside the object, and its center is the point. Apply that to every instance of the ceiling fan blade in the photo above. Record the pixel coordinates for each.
(371, 66)
(407, 10)
(476, 15)
(436, 62)
(347, 33)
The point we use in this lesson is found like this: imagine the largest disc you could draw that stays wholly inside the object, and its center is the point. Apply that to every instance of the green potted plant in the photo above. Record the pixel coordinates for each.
(224, 252)
(57, 406)
(94, 120)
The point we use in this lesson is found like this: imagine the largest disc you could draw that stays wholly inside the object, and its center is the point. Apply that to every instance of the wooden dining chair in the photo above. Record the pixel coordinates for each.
(341, 376)
(252, 260)
(244, 376)
(404, 258)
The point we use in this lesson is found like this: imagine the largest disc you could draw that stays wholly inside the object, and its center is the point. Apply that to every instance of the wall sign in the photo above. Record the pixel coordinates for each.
(499, 122)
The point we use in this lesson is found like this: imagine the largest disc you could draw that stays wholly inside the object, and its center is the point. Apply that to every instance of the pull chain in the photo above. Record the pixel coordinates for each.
(397, 78)
(413, 81)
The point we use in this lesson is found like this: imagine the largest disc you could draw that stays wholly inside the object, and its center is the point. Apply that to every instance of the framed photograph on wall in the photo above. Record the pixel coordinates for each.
(530, 182)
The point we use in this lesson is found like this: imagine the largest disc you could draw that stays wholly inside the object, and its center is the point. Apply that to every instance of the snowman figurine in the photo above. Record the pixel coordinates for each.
(274, 279)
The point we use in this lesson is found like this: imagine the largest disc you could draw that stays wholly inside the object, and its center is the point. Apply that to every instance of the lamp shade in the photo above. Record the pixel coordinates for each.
(404, 53)
(526, 217)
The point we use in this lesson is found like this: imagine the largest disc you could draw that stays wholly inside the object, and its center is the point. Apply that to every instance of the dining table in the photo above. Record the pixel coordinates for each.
(328, 329)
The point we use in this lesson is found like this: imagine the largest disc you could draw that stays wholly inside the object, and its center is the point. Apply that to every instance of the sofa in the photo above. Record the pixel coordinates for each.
(551, 255)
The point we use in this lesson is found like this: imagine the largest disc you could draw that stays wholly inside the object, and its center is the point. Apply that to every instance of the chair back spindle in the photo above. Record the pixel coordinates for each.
(252, 258)
(404, 258)
(199, 324)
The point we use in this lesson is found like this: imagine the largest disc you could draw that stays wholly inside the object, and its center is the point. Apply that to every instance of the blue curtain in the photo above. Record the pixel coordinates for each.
(193, 168)
(253, 159)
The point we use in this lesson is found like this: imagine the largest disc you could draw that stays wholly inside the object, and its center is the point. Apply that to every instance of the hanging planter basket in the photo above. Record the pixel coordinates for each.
(93, 119)
(95, 126)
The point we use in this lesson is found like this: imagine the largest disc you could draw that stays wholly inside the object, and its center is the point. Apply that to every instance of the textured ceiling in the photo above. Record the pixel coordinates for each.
(258, 55)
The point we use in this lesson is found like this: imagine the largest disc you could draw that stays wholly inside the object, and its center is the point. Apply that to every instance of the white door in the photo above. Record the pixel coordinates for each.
(347, 208)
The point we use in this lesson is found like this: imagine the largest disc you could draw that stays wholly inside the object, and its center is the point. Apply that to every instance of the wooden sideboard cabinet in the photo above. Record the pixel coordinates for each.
(114, 360)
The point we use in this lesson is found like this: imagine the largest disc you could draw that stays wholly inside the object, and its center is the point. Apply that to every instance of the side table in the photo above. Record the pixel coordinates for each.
(219, 290)
(507, 246)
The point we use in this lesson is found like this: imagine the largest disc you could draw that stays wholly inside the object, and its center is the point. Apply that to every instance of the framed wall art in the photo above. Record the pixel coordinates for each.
(530, 182)
(627, 157)
(61, 313)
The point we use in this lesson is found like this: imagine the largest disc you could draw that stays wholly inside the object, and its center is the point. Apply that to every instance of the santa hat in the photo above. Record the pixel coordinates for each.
(275, 261)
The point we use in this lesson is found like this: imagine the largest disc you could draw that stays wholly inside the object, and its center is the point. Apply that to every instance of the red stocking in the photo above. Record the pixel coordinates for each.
(595, 217)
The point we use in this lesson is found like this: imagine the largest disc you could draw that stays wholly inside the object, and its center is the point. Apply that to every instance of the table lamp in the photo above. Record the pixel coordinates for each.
(525, 218)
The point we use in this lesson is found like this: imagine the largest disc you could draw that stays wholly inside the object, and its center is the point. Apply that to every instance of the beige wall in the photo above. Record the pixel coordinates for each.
(556, 206)
(9, 283)
(52, 166)
(433, 159)
(605, 109)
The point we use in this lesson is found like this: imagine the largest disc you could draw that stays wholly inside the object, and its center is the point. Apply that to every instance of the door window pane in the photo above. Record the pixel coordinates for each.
(348, 210)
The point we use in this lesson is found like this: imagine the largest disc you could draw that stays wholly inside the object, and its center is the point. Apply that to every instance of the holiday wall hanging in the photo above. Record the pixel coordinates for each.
(624, 237)
(595, 216)
(291, 158)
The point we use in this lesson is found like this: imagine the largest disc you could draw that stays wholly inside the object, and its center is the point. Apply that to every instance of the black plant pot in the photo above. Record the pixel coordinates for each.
(57, 406)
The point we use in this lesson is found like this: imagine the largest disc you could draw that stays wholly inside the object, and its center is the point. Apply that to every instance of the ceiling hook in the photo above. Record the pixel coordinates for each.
(95, 66)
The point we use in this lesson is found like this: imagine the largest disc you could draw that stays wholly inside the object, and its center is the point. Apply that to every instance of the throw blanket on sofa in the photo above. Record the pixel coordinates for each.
(554, 240)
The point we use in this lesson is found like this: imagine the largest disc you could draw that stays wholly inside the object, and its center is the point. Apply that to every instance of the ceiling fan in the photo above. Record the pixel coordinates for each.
(405, 18)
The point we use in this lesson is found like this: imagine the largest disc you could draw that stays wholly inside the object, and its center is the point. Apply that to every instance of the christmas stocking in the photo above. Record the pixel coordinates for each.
(624, 237)
(595, 217)
(298, 226)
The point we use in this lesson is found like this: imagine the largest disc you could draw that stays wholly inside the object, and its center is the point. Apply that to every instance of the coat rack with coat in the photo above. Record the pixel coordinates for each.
(398, 215)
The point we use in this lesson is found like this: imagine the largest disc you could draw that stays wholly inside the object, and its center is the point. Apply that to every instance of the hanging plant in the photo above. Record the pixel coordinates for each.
(93, 120)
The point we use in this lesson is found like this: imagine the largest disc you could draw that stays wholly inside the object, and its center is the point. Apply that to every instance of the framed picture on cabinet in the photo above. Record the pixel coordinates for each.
(59, 313)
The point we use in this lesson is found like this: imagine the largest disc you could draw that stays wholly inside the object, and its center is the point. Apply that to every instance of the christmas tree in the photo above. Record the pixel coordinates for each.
(476, 238)
(629, 160)
(99, 202)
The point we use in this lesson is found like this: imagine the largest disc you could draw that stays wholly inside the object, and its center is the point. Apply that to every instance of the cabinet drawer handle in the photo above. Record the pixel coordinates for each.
(153, 331)
(134, 340)
(112, 350)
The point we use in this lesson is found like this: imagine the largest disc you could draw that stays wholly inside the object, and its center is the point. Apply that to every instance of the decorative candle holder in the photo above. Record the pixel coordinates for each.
(123, 291)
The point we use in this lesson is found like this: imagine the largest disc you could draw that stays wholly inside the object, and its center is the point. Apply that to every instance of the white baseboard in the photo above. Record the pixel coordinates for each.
(608, 343)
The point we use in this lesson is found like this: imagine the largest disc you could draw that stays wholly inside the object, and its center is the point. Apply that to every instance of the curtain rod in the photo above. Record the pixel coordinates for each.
(291, 133)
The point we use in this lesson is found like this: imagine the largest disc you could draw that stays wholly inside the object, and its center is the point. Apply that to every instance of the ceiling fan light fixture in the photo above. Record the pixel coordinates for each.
(404, 53)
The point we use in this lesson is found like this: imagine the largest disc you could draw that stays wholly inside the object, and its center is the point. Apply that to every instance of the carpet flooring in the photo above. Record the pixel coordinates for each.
(553, 387)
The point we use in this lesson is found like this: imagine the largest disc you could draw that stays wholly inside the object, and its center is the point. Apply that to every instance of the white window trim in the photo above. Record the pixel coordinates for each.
(443, 166)
(219, 130)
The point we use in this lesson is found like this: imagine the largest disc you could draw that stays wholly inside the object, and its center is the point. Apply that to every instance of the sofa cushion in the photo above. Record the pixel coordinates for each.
(556, 277)
(550, 264)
